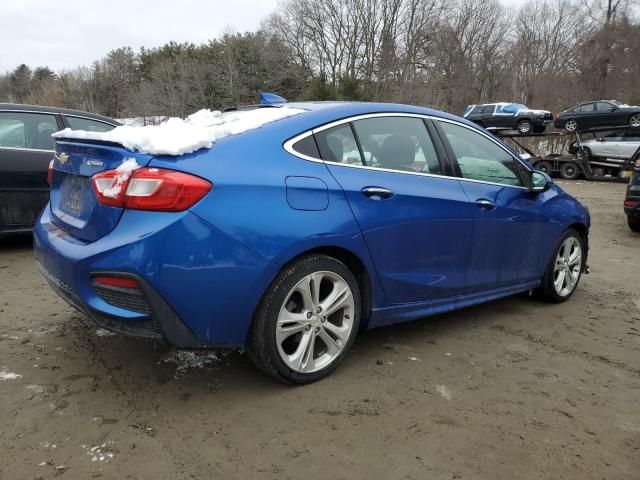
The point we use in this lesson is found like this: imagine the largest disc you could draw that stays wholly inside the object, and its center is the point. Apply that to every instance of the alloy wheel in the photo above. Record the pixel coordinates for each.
(634, 121)
(571, 125)
(315, 322)
(568, 266)
(524, 126)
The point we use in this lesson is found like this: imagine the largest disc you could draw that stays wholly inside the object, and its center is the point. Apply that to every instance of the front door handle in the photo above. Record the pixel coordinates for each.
(377, 193)
(486, 204)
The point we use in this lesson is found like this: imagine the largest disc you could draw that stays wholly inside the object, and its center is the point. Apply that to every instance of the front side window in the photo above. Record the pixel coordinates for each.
(27, 130)
(604, 106)
(397, 143)
(479, 158)
(338, 145)
(77, 123)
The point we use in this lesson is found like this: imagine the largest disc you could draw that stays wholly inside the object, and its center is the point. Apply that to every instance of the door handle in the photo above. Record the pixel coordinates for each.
(377, 193)
(486, 204)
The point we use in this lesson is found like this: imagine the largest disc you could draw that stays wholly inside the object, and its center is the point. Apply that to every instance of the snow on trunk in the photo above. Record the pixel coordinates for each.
(177, 136)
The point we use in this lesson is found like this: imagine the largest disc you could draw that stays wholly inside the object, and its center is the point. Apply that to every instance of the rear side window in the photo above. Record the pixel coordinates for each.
(77, 123)
(488, 109)
(27, 130)
(307, 146)
(339, 145)
(397, 143)
(589, 107)
(479, 158)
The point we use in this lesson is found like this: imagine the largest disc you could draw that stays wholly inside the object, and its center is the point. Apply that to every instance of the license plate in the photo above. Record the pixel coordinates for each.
(75, 194)
(627, 174)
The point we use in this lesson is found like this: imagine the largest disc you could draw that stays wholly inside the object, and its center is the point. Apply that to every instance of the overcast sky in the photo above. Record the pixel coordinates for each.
(63, 34)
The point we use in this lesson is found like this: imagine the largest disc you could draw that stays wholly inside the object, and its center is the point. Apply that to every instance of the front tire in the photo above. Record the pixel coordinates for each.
(565, 268)
(306, 321)
(634, 223)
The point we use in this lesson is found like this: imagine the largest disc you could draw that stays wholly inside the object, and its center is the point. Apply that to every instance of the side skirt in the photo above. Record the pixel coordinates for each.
(413, 311)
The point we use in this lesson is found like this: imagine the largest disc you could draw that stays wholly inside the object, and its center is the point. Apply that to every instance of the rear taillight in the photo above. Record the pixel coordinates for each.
(150, 189)
(631, 203)
(50, 172)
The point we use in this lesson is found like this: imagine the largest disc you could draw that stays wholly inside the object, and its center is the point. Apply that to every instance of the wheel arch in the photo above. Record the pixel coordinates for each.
(357, 267)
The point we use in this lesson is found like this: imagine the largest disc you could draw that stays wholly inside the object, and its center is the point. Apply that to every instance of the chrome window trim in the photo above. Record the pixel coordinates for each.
(288, 146)
(88, 118)
(24, 149)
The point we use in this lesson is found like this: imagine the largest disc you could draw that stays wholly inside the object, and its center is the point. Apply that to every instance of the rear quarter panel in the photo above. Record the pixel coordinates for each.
(249, 200)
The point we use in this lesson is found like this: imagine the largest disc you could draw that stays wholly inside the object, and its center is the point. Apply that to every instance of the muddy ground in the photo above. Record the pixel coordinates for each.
(511, 390)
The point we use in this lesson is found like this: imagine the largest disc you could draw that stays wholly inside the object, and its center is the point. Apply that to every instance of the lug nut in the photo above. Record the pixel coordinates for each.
(309, 314)
(323, 319)
(307, 328)
(317, 329)
(319, 309)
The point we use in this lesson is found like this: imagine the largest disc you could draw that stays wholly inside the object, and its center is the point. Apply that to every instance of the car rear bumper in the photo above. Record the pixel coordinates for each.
(632, 206)
(198, 287)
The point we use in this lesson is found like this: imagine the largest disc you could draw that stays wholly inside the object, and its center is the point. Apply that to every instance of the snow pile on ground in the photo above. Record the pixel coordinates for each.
(178, 137)
(4, 375)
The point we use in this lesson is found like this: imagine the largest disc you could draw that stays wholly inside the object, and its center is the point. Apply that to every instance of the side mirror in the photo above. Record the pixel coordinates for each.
(539, 181)
(612, 108)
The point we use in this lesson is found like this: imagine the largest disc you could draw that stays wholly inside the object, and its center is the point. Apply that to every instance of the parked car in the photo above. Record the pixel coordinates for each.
(509, 116)
(617, 144)
(26, 148)
(288, 238)
(600, 113)
(632, 198)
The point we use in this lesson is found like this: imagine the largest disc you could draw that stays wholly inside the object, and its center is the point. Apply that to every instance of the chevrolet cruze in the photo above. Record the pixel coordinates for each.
(288, 236)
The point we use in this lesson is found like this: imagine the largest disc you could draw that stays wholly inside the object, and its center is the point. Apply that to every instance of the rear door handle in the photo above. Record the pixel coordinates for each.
(377, 193)
(486, 204)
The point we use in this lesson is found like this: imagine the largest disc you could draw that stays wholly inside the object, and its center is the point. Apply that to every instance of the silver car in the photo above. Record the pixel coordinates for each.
(621, 144)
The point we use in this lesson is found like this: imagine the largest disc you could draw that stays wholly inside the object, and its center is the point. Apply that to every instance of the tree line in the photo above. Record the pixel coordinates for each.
(444, 54)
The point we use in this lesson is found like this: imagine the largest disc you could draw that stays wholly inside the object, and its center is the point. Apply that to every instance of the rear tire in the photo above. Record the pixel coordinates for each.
(571, 125)
(634, 120)
(634, 223)
(564, 270)
(306, 321)
(584, 154)
(569, 170)
(524, 127)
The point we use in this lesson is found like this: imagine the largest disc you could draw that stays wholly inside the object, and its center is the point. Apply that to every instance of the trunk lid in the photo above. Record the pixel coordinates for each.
(74, 205)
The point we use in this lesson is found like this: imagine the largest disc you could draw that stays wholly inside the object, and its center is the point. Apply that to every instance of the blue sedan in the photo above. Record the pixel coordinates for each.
(289, 237)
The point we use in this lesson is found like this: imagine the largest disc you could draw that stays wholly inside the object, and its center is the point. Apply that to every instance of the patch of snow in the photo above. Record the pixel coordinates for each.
(444, 391)
(124, 171)
(101, 332)
(414, 359)
(187, 360)
(101, 453)
(4, 375)
(176, 136)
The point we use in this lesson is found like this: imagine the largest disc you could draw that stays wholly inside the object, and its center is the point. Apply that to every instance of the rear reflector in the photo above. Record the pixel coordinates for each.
(631, 203)
(122, 282)
(150, 189)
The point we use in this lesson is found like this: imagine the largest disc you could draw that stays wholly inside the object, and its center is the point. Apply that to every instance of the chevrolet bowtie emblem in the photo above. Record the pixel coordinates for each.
(63, 157)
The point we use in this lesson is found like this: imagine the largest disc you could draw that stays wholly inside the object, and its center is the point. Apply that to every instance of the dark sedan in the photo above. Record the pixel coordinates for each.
(601, 113)
(26, 148)
(632, 198)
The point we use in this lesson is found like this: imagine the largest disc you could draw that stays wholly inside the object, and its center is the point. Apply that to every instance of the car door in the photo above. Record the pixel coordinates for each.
(26, 148)
(606, 114)
(511, 227)
(630, 144)
(586, 115)
(608, 145)
(505, 115)
(416, 222)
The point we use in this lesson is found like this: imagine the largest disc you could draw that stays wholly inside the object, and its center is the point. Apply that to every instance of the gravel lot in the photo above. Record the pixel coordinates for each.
(514, 389)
